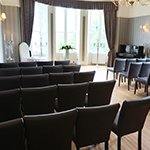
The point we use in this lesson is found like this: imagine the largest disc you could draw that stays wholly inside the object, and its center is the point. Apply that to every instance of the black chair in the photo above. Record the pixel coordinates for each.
(9, 71)
(131, 118)
(9, 65)
(71, 96)
(12, 135)
(118, 66)
(34, 80)
(99, 93)
(71, 68)
(143, 77)
(61, 78)
(53, 69)
(10, 82)
(128, 61)
(132, 73)
(10, 105)
(27, 64)
(62, 62)
(80, 77)
(94, 125)
(39, 100)
(145, 69)
(43, 63)
(142, 80)
(41, 131)
(31, 70)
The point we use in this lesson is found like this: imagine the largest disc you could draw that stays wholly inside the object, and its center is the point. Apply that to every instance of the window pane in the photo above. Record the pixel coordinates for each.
(67, 28)
(71, 20)
(60, 19)
(59, 41)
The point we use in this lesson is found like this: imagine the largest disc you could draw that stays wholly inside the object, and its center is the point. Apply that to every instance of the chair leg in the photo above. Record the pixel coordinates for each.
(106, 145)
(107, 75)
(119, 143)
(135, 87)
(119, 80)
(114, 75)
(146, 88)
(140, 140)
(128, 84)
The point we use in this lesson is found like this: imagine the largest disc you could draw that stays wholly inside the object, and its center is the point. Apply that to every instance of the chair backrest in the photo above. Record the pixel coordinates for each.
(128, 61)
(62, 62)
(132, 115)
(71, 68)
(52, 69)
(145, 69)
(10, 105)
(34, 80)
(42, 63)
(31, 70)
(147, 59)
(41, 131)
(27, 64)
(10, 82)
(9, 65)
(61, 78)
(141, 60)
(9, 71)
(38, 100)
(99, 93)
(94, 124)
(24, 52)
(80, 77)
(119, 64)
(71, 96)
(134, 70)
(12, 135)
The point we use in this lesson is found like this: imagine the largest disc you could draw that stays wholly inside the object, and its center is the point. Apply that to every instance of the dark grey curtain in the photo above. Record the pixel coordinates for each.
(27, 16)
(110, 13)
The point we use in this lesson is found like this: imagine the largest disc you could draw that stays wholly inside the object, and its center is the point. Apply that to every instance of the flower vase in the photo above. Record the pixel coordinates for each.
(67, 54)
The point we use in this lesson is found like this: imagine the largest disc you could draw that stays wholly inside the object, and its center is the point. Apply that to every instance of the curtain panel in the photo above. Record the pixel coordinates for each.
(110, 13)
(27, 16)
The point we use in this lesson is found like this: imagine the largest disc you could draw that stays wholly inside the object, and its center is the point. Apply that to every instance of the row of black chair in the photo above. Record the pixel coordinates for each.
(120, 65)
(39, 70)
(85, 126)
(43, 100)
(139, 71)
(136, 71)
(33, 64)
(13, 82)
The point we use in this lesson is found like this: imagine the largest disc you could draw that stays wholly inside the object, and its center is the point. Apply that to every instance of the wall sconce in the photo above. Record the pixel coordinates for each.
(2, 16)
(145, 27)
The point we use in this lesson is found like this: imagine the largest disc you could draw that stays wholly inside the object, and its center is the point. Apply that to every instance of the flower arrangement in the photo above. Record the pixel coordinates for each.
(66, 47)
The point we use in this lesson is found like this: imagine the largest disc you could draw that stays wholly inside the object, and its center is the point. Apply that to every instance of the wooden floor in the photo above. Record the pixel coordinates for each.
(120, 94)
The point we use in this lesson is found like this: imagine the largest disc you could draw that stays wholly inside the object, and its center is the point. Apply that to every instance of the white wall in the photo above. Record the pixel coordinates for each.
(10, 2)
(133, 11)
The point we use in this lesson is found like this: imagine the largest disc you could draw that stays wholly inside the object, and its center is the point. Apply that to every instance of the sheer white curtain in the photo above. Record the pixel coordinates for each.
(97, 43)
(39, 41)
